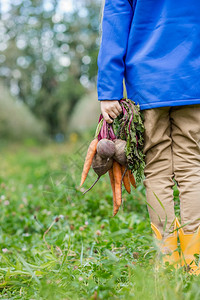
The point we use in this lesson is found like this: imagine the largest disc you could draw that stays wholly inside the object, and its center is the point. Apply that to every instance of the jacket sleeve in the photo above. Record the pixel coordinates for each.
(117, 17)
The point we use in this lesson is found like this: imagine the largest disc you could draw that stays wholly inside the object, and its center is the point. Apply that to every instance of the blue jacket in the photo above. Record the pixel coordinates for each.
(155, 46)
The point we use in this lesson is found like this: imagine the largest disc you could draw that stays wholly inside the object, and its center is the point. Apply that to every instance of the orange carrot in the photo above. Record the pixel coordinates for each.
(92, 149)
(118, 178)
(112, 182)
(132, 178)
(126, 180)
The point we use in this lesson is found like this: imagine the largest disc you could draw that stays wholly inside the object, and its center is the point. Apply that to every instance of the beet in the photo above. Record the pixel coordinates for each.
(101, 165)
(120, 154)
(106, 148)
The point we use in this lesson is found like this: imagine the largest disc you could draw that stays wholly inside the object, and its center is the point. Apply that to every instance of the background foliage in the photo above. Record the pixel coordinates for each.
(48, 56)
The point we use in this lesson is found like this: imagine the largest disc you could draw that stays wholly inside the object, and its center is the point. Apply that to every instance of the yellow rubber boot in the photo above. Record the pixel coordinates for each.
(190, 245)
(168, 246)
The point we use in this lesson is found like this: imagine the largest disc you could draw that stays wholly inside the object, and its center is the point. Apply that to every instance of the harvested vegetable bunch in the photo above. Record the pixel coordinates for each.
(118, 154)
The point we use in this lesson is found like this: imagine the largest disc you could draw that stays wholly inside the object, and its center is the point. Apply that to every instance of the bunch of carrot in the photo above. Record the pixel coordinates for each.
(105, 154)
(117, 174)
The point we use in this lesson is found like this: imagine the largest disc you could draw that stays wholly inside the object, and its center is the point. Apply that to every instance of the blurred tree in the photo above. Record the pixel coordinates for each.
(48, 55)
(16, 120)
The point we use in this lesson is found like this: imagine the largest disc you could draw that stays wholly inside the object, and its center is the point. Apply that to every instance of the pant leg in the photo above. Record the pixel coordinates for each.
(159, 167)
(186, 160)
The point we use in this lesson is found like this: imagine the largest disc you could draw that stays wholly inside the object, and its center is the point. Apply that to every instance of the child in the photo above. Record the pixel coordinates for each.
(154, 45)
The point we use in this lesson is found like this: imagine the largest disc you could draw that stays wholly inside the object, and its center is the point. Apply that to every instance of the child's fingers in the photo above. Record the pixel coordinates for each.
(107, 117)
(112, 114)
(116, 111)
(118, 107)
(110, 109)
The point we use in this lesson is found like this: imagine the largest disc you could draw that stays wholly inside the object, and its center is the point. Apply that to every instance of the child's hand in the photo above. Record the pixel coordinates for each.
(110, 109)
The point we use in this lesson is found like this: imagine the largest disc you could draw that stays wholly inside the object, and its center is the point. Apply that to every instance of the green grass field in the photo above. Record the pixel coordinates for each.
(58, 244)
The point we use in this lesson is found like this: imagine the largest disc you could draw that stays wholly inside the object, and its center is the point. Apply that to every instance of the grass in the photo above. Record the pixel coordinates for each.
(58, 244)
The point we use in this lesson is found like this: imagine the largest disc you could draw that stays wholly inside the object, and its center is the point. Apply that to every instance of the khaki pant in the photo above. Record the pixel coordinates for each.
(172, 148)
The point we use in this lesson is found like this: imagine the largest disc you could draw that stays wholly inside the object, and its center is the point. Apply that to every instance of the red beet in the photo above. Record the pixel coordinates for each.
(101, 165)
(106, 148)
(120, 154)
